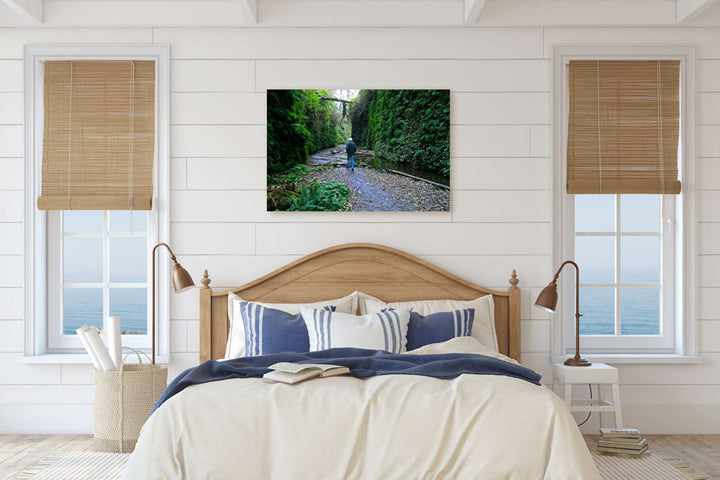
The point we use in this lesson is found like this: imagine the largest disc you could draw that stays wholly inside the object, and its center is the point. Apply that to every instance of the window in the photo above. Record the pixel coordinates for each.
(85, 265)
(98, 267)
(635, 250)
(625, 246)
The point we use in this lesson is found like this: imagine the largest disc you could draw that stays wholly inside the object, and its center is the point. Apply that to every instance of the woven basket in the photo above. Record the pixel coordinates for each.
(123, 402)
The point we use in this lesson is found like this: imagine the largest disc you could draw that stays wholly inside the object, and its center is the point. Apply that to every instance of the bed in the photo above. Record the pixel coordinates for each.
(384, 426)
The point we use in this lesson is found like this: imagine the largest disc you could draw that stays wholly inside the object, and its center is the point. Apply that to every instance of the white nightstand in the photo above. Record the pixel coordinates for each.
(597, 373)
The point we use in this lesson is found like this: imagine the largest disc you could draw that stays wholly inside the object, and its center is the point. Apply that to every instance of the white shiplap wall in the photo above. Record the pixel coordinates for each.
(501, 173)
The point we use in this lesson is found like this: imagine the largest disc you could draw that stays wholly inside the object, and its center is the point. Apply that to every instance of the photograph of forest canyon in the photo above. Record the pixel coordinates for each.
(358, 150)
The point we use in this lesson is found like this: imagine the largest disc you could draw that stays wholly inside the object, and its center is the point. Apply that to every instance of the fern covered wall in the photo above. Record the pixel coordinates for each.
(299, 124)
(409, 127)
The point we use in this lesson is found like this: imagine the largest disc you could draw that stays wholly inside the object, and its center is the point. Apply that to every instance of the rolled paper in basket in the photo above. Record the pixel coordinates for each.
(96, 343)
(91, 353)
(114, 341)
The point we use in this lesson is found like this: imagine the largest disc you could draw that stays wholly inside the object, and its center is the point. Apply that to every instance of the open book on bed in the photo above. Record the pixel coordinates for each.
(292, 373)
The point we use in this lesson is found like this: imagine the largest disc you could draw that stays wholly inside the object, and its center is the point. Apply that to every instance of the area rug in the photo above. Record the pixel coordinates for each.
(75, 466)
(651, 466)
(110, 466)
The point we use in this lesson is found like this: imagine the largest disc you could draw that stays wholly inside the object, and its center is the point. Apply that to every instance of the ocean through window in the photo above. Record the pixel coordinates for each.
(104, 269)
(617, 242)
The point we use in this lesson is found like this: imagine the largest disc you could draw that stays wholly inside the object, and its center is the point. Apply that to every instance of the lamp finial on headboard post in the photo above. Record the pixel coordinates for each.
(205, 280)
(514, 279)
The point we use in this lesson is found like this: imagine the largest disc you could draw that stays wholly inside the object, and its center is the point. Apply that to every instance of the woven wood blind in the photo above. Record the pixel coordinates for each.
(99, 135)
(624, 127)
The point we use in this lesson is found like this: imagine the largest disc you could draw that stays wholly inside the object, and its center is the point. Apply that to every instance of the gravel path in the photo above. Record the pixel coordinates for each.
(334, 155)
(376, 191)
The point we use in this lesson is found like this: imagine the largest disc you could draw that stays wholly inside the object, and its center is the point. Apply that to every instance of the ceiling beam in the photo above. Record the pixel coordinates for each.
(32, 9)
(691, 9)
(472, 10)
(249, 10)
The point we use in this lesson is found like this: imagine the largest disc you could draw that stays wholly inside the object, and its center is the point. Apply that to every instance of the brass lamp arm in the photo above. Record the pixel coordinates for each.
(577, 360)
(172, 255)
(557, 274)
(577, 283)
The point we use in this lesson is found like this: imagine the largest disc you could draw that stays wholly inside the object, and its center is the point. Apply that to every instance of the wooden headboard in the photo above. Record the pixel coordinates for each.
(380, 271)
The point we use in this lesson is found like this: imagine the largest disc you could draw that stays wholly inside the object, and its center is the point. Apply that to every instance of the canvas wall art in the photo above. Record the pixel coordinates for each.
(358, 150)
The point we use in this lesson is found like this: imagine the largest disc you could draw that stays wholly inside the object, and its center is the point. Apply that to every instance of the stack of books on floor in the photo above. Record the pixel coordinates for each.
(625, 441)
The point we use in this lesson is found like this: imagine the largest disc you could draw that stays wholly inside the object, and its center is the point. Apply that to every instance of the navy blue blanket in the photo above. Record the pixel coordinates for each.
(362, 363)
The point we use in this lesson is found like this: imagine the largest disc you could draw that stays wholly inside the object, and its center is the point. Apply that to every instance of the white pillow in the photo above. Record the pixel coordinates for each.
(483, 325)
(236, 337)
(460, 345)
(377, 331)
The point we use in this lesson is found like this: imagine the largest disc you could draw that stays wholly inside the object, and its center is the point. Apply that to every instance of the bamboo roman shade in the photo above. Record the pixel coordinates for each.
(624, 126)
(99, 135)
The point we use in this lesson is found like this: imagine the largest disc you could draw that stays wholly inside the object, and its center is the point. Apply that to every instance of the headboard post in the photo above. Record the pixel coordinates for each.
(205, 315)
(514, 320)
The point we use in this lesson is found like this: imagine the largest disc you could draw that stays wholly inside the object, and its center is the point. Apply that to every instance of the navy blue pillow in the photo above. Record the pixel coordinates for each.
(268, 330)
(439, 327)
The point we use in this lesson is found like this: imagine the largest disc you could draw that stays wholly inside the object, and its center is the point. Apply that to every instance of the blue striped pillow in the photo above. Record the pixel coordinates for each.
(377, 331)
(273, 331)
(439, 327)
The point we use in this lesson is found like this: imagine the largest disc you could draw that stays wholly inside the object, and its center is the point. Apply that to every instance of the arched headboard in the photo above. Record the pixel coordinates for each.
(380, 271)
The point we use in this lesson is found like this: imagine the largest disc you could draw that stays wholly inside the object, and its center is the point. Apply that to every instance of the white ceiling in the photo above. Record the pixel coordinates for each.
(341, 13)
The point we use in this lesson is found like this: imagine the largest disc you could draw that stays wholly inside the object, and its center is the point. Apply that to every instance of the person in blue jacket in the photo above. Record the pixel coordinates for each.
(351, 148)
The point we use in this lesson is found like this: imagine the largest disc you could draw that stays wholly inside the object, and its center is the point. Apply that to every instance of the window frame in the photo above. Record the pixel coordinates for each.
(37, 279)
(684, 322)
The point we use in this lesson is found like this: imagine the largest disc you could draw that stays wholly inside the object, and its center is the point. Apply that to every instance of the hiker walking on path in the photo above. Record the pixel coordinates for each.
(351, 148)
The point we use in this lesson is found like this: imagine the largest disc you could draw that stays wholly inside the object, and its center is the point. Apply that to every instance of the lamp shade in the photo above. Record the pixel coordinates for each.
(181, 279)
(547, 300)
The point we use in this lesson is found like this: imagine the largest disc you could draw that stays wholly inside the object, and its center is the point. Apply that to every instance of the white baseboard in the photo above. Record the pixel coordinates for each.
(46, 419)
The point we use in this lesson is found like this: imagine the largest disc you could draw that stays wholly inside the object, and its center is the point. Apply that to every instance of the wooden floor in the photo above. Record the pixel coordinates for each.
(19, 451)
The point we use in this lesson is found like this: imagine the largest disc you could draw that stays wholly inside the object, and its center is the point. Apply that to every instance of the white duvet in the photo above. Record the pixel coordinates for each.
(383, 427)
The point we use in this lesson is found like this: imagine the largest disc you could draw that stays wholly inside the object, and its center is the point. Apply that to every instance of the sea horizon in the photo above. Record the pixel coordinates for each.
(85, 308)
(640, 310)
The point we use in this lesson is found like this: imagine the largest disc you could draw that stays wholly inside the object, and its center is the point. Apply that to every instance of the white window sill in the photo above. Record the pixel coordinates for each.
(78, 359)
(640, 358)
